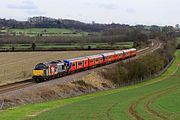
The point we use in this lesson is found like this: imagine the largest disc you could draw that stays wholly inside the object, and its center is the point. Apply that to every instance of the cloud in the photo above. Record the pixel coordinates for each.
(35, 12)
(107, 6)
(25, 5)
(28, 7)
(130, 10)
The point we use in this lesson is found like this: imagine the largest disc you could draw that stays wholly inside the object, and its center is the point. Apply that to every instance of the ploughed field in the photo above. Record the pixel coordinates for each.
(17, 66)
(154, 99)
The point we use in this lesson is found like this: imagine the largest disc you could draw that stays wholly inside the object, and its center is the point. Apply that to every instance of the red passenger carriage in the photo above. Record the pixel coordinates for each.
(120, 55)
(77, 64)
(95, 60)
(109, 57)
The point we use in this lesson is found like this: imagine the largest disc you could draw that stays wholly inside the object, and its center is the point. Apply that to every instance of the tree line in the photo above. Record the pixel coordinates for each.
(108, 33)
(46, 22)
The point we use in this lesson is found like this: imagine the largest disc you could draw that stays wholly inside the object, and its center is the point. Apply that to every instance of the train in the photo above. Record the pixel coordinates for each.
(58, 68)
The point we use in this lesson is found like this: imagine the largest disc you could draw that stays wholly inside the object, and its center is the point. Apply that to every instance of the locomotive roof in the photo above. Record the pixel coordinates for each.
(52, 62)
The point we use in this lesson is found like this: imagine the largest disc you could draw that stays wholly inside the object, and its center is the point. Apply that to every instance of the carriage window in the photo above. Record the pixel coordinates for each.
(63, 67)
(80, 63)
(97, 60)
(92, 61)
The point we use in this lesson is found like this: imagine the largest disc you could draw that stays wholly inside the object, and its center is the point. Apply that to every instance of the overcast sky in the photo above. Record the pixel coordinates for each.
(159, 12)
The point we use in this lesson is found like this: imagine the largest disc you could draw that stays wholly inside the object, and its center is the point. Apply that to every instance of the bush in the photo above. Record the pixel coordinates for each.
(133, 71)
(178, 46)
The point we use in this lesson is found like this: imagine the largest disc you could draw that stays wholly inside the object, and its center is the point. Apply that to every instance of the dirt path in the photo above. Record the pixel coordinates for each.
(133, 104)
(133, 113)
(153, 99)
(108, 114)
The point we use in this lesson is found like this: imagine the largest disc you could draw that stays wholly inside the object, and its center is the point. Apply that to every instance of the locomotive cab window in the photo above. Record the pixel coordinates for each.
(63, 67)
(40, 67)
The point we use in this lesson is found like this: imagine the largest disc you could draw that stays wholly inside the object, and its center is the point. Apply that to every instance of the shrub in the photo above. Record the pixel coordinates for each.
(133, 71)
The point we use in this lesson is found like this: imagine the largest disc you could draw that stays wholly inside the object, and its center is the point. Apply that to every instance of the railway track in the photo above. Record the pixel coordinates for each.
(27, 83)
(16, 86)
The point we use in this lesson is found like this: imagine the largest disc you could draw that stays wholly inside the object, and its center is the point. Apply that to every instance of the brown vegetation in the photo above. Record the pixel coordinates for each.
(130, 72)
(87, 83)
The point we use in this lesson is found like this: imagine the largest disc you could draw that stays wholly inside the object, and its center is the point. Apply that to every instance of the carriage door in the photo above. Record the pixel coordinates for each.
(83, 64)
(76, 65)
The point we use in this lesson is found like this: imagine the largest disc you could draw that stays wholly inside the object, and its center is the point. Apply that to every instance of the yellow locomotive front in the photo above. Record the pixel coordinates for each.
(40, 72)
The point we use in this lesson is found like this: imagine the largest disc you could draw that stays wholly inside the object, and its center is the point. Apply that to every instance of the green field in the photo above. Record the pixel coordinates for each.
(44, 32)
(150, 100)
(46, 46)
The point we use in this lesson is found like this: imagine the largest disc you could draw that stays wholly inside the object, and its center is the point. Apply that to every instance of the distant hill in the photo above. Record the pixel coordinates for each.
(46, 22)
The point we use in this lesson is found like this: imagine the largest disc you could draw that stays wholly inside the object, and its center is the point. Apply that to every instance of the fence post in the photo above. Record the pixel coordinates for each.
(2, 104)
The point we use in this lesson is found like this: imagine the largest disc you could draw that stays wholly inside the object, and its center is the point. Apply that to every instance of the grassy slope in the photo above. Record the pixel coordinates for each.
(169, 105)
(111, 104)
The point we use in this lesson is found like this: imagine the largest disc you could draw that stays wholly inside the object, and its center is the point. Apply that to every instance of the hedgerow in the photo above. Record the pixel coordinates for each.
(138, 70)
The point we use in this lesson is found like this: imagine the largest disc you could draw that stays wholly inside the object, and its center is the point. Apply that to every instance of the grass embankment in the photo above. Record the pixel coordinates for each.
(148, 100)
